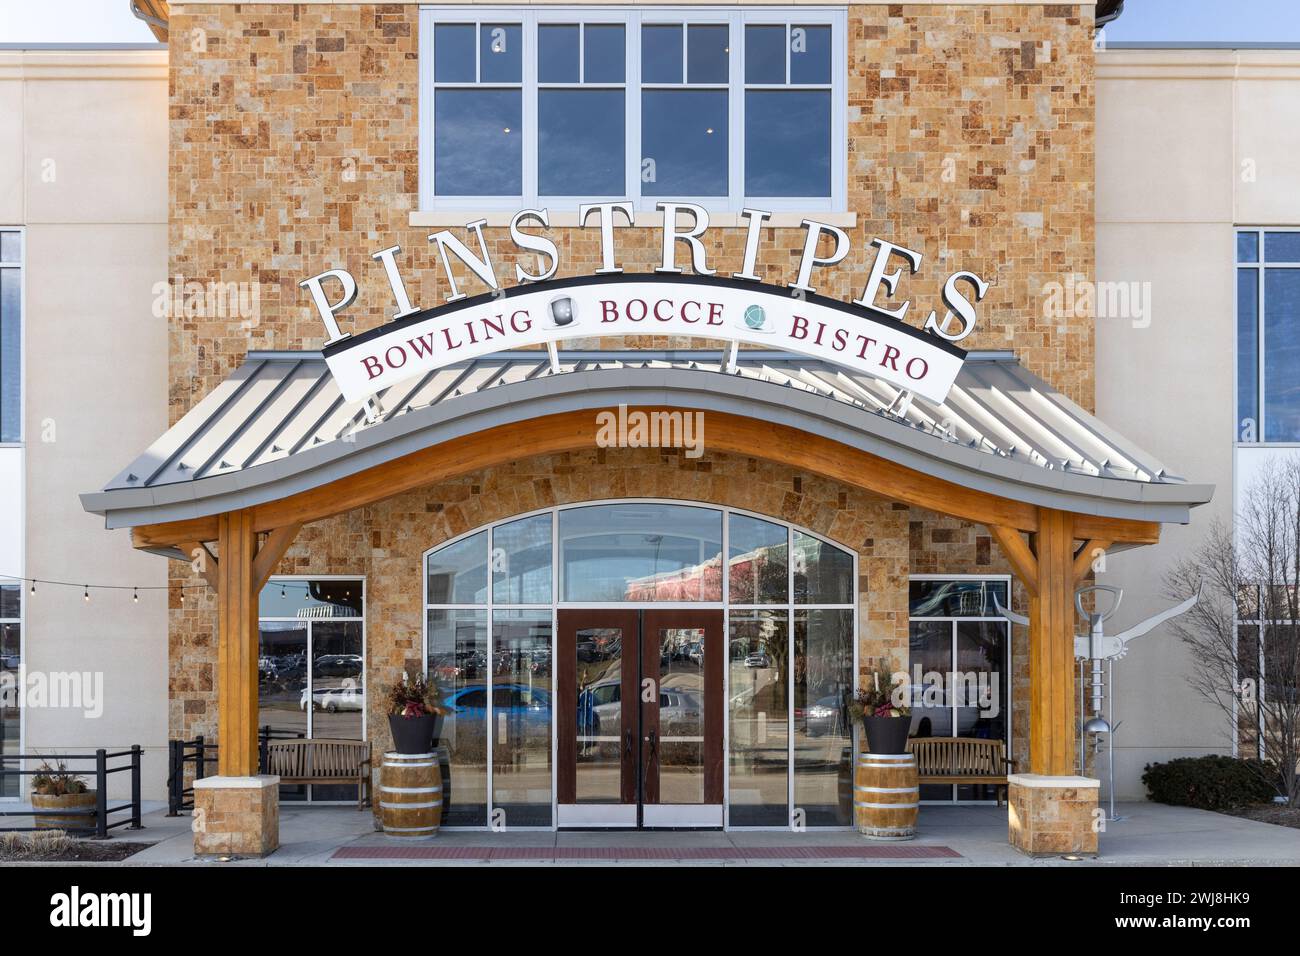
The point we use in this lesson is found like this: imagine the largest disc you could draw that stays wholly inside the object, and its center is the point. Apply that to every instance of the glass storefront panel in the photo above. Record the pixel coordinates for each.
(641, 552)
(759, 715)
(956, 598)
(521, 561)
(10, 687)
(681, 714)
(521, 718)
(757, 562)
(599, 677)
(337, 686)
(930, 650)
(823, 573)
(282, 693)
(458, 661)
(457, 573)
(823, 742)
(315, 598)
(980, 694)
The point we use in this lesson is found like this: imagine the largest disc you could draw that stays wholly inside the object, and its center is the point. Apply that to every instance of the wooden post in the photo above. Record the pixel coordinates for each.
(1051, 648)
(237, 640)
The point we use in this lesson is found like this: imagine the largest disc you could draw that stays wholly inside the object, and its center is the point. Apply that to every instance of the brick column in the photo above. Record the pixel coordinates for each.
(1052, 816)
(236, 816)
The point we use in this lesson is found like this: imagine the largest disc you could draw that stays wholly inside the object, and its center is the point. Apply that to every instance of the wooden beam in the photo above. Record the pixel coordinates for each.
(237, 639)
(577, 430)
(1051, 649)
(271, 551)
(1116, 529)
(1018, 553)
(1086, 555)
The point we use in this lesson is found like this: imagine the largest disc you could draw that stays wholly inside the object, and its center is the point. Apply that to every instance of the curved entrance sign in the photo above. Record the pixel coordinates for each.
(629, 304)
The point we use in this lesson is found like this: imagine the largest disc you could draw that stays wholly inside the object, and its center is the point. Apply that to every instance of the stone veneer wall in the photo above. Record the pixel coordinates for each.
(294, 149)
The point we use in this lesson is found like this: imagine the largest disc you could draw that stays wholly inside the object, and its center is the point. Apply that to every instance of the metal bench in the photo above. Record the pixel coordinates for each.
(962, 760)
(323, 760)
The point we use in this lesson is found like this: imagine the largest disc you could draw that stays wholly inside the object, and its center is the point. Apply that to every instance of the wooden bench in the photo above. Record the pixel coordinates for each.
(323, 760)
(962, 760)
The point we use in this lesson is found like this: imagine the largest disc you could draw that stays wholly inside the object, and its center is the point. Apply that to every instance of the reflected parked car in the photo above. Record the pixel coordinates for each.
(821, 718)
(758, 659)
(338, 665)
(519, 702)
(332, 700)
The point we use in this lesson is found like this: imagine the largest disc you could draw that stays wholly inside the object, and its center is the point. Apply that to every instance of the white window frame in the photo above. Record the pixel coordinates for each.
(295, 580)
(19, 266)
(952, 621)
(632, 17)
(1261, 267)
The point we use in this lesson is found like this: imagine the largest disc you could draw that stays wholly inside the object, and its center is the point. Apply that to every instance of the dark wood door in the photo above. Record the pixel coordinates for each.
(639, 717)
(596, 697)
(682, 652)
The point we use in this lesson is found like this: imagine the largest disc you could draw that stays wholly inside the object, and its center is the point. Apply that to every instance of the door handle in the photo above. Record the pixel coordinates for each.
(627, 746)
(653, 752)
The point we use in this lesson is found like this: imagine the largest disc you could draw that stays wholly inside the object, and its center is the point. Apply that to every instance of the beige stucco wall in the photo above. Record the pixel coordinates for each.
(1190, 143)
(83, 167)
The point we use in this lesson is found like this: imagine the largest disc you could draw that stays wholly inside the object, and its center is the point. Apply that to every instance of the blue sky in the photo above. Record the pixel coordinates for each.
(110, 21)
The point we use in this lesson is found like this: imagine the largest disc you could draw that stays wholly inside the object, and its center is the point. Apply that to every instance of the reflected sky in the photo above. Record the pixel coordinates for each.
(453, 53)
(706, 53)
(685, 133)
(500, 53)
(661, 54)
(765, 53)
(557, 53)
(788, 143)
(810, 60)
(473, 155)
(1282, 353)
(580, 142)
(604, 50)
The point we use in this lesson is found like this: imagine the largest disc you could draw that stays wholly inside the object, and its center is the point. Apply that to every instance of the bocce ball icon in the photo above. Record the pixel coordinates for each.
(755, 319)
(561, 313)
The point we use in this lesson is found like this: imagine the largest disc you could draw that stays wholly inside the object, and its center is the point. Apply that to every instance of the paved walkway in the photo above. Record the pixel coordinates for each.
(1147, 834)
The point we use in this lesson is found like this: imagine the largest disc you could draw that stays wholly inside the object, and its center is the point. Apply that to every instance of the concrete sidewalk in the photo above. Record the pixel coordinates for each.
(1147, 835)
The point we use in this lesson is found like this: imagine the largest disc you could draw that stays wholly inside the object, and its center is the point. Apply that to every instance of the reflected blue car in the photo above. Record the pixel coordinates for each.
(530, 706)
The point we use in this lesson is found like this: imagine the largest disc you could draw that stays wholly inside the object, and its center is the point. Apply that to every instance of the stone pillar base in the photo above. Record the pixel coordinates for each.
(1052, 816)
(236, 816)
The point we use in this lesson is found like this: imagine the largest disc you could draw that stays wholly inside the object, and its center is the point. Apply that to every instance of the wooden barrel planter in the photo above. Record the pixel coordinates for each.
(410, 795)
(80, 805)
(886, 796)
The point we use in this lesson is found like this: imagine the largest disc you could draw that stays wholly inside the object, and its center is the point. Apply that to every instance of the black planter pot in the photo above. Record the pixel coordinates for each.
(887, 735)
(414, 735)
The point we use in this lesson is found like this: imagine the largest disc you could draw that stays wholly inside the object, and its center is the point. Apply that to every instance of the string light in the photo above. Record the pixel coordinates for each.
(135, 589)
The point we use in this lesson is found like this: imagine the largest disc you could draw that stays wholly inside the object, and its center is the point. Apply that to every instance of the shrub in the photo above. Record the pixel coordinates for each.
(1213, 782)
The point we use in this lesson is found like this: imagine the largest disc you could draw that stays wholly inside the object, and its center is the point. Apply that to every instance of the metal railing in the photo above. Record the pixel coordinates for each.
(199, 753)
(97, 817)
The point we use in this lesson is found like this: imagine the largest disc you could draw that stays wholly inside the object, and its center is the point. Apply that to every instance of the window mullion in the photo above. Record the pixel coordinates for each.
(632, 130)
(529, 107)
(736, 112)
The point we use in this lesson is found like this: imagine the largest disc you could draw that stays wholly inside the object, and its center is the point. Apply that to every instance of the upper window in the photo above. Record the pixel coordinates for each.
(11, 245)
(727, 107)
(1268, 335)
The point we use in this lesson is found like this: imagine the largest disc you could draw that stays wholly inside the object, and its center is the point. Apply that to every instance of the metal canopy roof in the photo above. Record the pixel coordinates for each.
(278, 425)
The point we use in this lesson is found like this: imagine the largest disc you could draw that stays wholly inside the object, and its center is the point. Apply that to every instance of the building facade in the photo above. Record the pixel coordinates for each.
(763, 578)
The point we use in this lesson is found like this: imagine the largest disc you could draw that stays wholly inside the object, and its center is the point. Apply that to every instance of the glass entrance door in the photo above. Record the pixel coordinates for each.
(639, 698)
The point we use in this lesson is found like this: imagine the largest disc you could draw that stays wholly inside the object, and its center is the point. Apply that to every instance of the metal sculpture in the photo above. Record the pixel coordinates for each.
(1092, 650)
